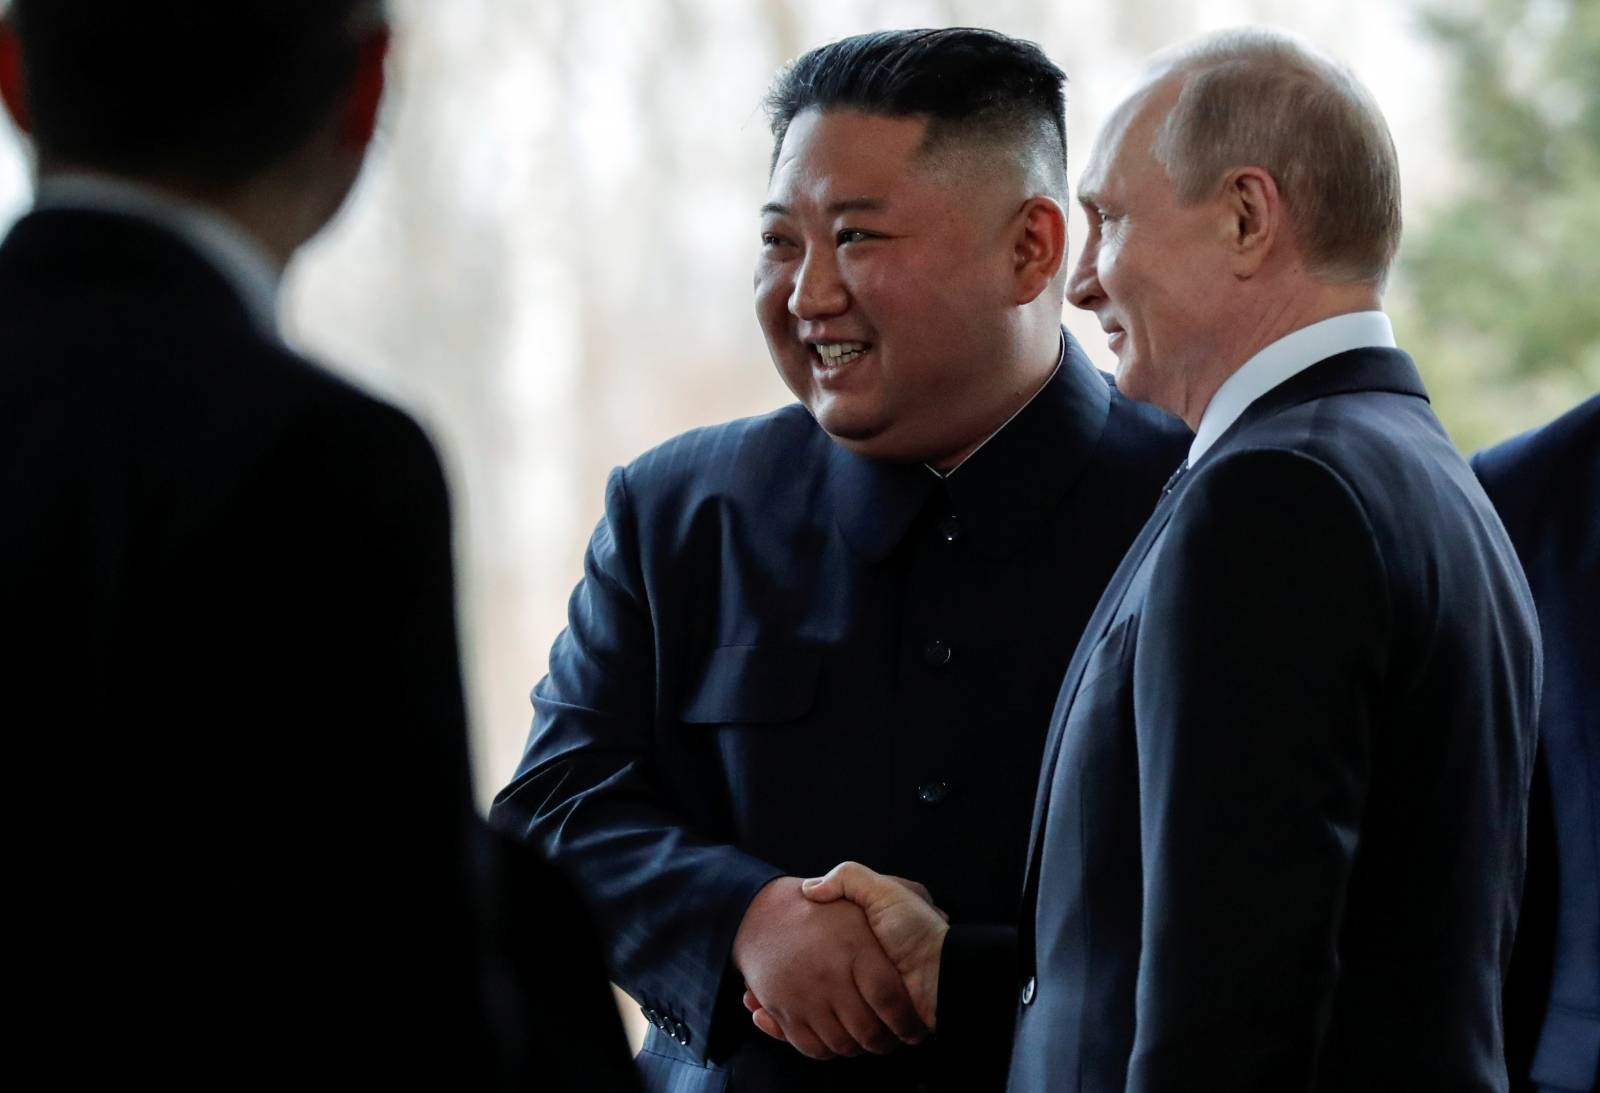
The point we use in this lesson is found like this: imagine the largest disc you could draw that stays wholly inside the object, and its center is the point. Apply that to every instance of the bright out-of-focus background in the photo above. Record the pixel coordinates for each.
(548, 260)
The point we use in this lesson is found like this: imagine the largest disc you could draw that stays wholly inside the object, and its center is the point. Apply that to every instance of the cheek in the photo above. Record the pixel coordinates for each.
(772, 287)
(1111, 264)
(918, 302)
(874, 286)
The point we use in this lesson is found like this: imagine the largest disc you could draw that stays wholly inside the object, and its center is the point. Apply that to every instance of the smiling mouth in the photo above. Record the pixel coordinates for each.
(837, 354)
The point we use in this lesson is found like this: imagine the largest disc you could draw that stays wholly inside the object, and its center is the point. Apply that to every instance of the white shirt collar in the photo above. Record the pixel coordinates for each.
(1287, 357)
(231, 251)
(1060, 358)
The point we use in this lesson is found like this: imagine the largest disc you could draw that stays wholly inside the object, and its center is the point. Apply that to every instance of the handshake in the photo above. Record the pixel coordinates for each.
(842, 964)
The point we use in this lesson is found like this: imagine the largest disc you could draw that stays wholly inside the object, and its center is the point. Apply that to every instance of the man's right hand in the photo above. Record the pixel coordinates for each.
(822, 976)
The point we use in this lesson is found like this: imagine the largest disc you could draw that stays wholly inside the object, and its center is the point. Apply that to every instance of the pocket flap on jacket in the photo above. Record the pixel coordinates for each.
(754, 684)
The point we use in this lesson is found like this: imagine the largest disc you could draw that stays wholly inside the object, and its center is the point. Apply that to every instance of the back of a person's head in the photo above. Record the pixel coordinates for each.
(1260, 96)
(208, 91)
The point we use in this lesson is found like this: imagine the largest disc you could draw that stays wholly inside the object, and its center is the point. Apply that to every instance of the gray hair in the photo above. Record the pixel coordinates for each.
(1263, 98)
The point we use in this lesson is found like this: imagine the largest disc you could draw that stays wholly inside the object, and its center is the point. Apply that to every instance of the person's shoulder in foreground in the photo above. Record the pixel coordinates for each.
(229, 574)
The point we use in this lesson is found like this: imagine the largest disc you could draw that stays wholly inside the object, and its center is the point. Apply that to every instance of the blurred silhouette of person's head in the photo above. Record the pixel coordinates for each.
(261, 110)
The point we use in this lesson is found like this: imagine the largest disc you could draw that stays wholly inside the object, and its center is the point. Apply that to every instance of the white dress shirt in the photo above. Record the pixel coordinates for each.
(1285, 358)
(226, 247)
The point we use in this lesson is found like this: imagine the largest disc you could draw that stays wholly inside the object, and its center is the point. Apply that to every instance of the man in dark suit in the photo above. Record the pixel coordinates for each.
(836, 630)
(1278, 839)
(246, 851)
(1546, 486)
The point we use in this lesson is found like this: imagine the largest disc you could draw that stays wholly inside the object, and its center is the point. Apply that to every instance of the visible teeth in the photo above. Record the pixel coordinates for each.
(840, 352)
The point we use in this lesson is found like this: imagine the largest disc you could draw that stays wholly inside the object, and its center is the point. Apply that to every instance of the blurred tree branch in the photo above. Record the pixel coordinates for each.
(1502, 281)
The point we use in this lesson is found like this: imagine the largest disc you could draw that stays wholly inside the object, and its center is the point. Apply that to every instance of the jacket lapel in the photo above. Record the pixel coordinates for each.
(1357, 370)
(1096, 629)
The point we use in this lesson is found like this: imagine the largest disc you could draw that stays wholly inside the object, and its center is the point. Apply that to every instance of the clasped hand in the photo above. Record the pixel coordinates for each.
(842, 964)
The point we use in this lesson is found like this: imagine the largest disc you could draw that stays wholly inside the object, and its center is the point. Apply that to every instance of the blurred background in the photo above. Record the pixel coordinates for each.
(548, 260)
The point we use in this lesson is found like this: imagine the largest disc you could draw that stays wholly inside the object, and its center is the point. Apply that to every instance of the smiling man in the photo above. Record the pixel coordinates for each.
(1278, 843)
(837, 630)
(1278, 840)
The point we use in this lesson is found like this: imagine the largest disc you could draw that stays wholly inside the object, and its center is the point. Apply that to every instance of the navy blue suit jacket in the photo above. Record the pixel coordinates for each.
(783, 656)
(1278, 838)
(1546, 485)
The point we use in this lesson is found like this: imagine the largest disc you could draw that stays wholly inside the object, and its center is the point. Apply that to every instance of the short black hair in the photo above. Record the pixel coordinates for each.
(972, 84)
(208, 91)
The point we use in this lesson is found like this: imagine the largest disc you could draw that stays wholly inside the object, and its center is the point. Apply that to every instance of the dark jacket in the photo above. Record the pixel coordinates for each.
(1278, 843)
(1546, 486)
(248, 850)
(783, 656)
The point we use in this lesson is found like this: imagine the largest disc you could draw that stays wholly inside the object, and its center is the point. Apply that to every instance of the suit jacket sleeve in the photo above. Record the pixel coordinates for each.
(590, 791)
(1255, 675)
(569, 1036)
(977, 1004)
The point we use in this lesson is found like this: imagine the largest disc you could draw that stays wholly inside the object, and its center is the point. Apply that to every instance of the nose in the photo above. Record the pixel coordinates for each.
(1083, 287)
(818, 290)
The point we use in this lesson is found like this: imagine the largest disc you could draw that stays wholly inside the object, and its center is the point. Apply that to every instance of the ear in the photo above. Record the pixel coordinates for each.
(13, 82)
(1255, 218)
(1040, 247)
(365, 99)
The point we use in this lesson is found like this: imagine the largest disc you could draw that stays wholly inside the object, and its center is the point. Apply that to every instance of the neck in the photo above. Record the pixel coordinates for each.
(1276, 318)
(276, 217)
(1034, 365)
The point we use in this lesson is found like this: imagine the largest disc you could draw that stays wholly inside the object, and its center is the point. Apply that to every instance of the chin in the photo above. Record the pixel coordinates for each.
(875, 447)
(843, 418)
(853, 434)
(857, 435)
(884, 444)
(1130, 380)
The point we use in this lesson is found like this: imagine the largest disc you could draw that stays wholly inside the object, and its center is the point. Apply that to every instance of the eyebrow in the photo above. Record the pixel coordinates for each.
(847, 205)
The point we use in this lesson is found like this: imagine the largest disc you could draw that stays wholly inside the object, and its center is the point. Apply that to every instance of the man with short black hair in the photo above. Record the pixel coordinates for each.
(837, 630)
(244, 847)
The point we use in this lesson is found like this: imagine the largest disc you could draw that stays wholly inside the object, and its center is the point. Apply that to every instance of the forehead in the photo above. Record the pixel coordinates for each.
(1125, 145)
(834, 153)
